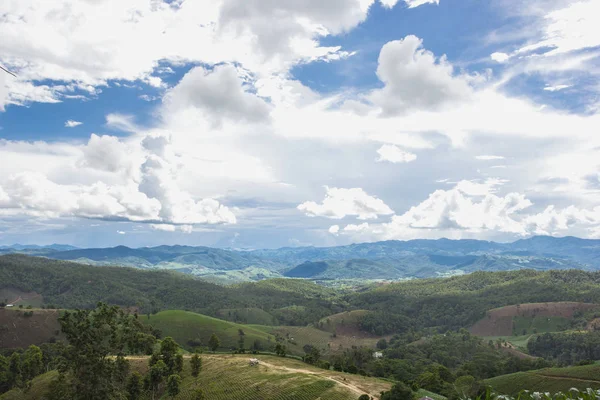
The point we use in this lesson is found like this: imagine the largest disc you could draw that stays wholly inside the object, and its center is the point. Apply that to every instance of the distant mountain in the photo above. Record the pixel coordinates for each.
(381, 260)
(21, 247)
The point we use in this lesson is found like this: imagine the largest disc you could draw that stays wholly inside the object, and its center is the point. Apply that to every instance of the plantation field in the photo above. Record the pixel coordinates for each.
(345, 323)
(522, 319)
(184, 326)
(230, 377)
(548, 380)
(539, 324)
(18, 330)
(296, 337)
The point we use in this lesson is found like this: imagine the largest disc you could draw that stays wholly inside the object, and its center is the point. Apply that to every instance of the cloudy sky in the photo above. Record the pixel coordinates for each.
(269, 123)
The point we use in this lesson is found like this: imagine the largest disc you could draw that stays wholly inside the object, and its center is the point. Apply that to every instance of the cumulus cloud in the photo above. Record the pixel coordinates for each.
(500, 57)
(172, 228)
(394, 154)
(556, 88)
(462, 211)
(150, 194)
(415, 79)
(417, 3)
(72, 124)
(220, 93)
(340, 203)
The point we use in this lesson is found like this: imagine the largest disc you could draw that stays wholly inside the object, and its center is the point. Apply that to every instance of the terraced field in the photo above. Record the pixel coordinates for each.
(230, 377)
(184, 326)
(548, 380)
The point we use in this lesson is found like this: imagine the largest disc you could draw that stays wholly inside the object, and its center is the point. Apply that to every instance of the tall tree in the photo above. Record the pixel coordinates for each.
(214, 342)
(196, 364)
(134, 386)
(173, 383)
(33, 364)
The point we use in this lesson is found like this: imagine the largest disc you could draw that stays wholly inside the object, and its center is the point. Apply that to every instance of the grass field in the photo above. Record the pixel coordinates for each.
(229, 377)
(247, 316)
(184, 326)
(344, 323)
(17, 330)
(523, 319)
(548, 380)
(539, 324)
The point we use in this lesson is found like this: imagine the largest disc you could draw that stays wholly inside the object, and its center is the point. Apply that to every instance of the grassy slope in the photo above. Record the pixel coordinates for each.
(230, 377)
(16, 330)
(247, 316)
(548, 380)
(183, 326)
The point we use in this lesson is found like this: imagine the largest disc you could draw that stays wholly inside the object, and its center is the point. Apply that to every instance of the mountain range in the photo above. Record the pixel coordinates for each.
(388, 260)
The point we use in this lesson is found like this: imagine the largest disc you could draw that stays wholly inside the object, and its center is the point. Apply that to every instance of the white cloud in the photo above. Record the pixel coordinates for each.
(556, 88)
(461, 212)
(72, 124)
(500, 57)
(417, 3)
(574, 27)
(121, 232)
(488, 157)
(220, 93)
(172, 228)
(340, 203)
(415, 79)
(108, 153)
(334, 229)
(394, 154)
(122, 122)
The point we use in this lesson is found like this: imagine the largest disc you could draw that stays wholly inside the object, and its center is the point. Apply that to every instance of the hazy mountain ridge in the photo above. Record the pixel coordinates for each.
(379, 260)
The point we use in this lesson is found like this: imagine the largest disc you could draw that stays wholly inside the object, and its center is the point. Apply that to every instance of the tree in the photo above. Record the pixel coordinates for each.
(168, 352)
(280, 350)
(155, 376)
(196, 364)
(398, 392)
(214, 342)
(121, 368)
(59, 389)
(134, 386)
(364, 397)
(32, 362)
(94, 336)
(198, 395)
(382, 344)
(4, 374)
(14, 370)
(173, 383)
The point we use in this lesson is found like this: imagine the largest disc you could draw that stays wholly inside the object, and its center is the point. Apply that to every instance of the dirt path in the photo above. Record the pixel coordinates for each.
(357, 390)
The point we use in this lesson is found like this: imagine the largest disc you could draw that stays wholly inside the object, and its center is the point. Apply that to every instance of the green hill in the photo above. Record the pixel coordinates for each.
(186, 327)
(548, 380)
(229, 377)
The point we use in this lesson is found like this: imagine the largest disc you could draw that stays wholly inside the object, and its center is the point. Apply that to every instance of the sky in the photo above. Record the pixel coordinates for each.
(273, 123)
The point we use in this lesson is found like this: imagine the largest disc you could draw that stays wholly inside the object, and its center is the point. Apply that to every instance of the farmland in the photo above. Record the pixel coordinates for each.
(229, 377)
(184, 326)
(548, 380)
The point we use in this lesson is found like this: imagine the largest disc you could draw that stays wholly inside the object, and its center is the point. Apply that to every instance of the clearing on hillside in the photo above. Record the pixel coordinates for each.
(522, 319)
(230, 377)
(19, 330)
(247, 316)
(190, 330)
(548, 380)
(345, 323)
(19, 298)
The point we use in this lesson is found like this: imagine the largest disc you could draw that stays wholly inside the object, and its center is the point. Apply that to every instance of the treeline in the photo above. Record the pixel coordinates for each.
(567, 348)
(441, 363)
(70, 285)
(460, 301)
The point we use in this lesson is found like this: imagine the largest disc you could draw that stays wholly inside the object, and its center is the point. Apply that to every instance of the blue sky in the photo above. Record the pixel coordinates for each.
(285, 124)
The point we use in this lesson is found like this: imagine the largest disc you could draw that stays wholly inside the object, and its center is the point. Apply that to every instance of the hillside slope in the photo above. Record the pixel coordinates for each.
(548, 380)
(230, 377)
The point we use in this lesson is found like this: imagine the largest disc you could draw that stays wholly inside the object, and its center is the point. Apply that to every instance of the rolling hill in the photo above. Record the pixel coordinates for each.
(230, 377)
(187, 328)
(380, 260)
(548, 380)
